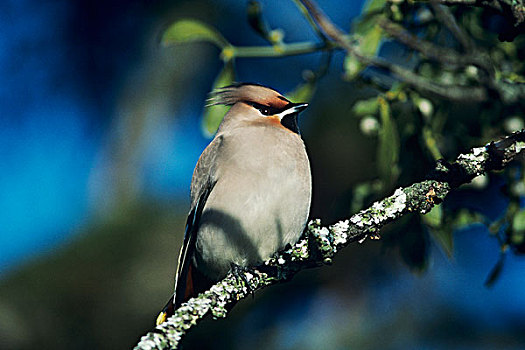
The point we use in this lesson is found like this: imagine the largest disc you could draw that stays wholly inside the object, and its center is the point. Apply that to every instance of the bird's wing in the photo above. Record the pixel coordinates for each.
(184, 281)
(203, 181)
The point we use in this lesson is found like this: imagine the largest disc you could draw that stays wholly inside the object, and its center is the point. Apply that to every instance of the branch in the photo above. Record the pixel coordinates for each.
(320, 244)
(292, 49)
(451, 92)
(436, 53)
(509, 92)
(514, 9)
(445, 17)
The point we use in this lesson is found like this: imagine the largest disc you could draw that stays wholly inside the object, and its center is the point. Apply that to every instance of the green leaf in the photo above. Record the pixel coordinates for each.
(372, 6)
(352, 67)
(366, 107)
(388, 150)
(445, 239)
(366, 29)
(302, 92)
(465, 218)
(434, 218)
(518, 228)
(518, 222)
(441, 235)
(190, 30)
(369, 41)
(431, 143)
(368, 33)
(213, 115)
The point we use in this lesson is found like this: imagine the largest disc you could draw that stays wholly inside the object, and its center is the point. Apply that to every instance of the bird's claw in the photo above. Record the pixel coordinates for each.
(239, 272)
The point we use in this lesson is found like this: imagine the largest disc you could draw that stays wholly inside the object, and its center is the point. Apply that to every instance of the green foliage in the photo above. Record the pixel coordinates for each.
(366, 107)
(518, 225)
(367, 32)
(213, 115)
(352, 66)
(388, 150)
(440, 233)
(190, 30)
(302, 92)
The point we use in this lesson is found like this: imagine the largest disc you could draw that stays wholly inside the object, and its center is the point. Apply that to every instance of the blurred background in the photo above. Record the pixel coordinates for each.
(100, 128)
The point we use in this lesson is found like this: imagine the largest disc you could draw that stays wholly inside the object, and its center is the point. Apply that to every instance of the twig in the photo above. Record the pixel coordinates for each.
(291, 49)
(321, 243)
(451, 92)
(444, 16)
(309, 18)
(432, 51)
(513, 9)
(494, 4)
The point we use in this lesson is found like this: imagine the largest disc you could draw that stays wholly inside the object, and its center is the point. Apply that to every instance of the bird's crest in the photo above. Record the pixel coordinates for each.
(246, 92)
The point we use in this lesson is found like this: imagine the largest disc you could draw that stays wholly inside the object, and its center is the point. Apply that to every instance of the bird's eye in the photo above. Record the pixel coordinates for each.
(265, 110)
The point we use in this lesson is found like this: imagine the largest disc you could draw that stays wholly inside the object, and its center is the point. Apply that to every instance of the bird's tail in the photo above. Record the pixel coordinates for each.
(166, 312)
(190, 285)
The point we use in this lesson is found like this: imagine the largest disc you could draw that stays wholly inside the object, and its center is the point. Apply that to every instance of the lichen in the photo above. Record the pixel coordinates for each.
(340, 232)
(519, 147)
(357, 220)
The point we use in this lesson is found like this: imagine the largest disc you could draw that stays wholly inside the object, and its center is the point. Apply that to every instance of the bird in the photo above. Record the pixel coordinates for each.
(250, 191)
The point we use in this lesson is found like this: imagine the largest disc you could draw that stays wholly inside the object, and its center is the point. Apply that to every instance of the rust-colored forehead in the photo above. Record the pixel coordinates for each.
(248, 93)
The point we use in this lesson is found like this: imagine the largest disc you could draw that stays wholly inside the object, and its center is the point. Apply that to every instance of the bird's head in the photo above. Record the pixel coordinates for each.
(258, 103)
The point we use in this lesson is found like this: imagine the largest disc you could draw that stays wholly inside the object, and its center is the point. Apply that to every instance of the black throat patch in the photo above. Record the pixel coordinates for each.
(289, 121)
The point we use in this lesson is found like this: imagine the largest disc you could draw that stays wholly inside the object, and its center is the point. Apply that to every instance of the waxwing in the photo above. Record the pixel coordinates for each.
(250, 192)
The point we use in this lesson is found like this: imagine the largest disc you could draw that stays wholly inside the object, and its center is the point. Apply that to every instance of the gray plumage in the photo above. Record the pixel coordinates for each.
(250, 191)
(261, 196)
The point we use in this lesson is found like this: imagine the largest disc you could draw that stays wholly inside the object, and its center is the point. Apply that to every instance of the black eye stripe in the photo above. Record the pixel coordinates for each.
(266, 110)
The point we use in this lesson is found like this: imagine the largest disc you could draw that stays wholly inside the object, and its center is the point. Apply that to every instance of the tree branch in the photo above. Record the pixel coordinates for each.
(444, 16)
(451, 92)
(514, 9)
(320, 244)
(509, 92)
(436, 53)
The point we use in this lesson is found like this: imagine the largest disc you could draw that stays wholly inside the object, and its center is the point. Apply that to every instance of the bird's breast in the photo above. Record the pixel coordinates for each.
(260, 202)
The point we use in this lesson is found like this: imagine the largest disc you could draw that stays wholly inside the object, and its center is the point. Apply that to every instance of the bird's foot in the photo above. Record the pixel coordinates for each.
(240, 273)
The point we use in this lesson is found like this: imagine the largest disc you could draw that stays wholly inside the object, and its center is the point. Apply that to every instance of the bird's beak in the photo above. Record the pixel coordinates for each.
(292, 108)
(297, 107)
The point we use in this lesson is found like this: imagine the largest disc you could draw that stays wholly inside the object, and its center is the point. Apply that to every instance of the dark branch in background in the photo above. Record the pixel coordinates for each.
(451, 92)
(444, 16)
(514, 9)
(508, 92)
(321, 243)
(436, 53)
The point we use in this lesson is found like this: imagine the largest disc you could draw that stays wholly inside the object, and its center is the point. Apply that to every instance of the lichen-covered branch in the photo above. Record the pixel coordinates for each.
(320, 243)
